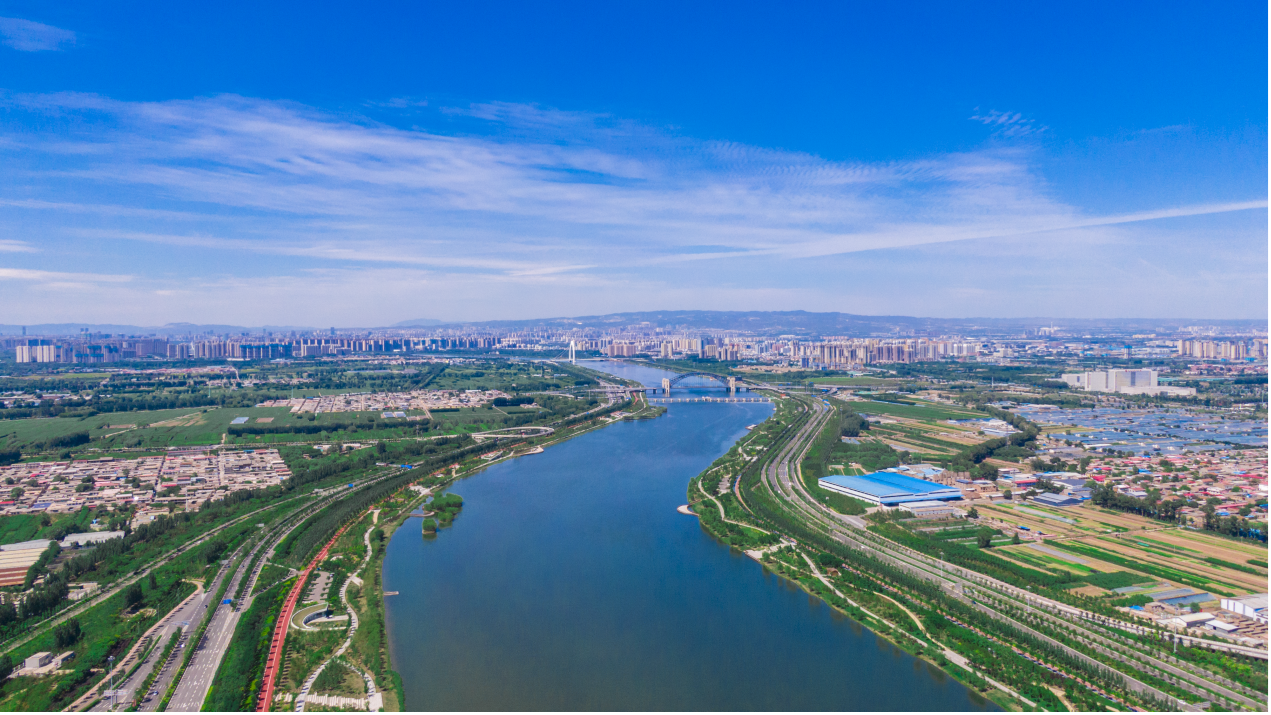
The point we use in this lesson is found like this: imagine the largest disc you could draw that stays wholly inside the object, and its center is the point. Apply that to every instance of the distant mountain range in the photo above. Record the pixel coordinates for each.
(419, 323)
(790, 322)
(800, 322)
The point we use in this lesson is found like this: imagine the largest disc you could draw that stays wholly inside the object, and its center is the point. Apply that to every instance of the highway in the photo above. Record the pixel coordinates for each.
(197, 678)
(116, 587)
(188, 622)
(147, 649)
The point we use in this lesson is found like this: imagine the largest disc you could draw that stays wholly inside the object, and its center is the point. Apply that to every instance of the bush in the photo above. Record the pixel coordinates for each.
(133, 595)
(66, 634)
(447, 507)
(512, 401)
(67, 440)
(853, 424)
(330, 677)
(1116, 579)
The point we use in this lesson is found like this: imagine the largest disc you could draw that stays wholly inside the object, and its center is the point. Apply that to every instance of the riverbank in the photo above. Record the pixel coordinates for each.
(391, 514)
(714, 498)
(570, 583)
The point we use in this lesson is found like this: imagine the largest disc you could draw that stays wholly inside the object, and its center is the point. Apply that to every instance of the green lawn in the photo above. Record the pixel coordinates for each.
(204, 426)
(23, 433)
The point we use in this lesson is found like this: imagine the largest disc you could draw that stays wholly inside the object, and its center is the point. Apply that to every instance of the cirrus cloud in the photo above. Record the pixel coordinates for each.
(30, 36)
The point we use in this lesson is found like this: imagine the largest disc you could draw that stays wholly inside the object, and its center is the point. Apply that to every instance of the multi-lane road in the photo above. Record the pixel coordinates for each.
(188, 621)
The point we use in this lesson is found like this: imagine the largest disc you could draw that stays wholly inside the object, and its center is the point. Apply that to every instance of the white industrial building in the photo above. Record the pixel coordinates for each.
(1126, 382)
(1254, 606)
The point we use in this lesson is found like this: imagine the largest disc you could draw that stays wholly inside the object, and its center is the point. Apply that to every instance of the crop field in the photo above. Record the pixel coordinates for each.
(921, 429)
(926, 411)
(26, 433)
(913, 440)
(1213, 575)
(1036, 559)
(1117, 541)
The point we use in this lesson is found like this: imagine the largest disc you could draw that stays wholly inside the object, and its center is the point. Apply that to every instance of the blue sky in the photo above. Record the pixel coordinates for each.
(330, 163)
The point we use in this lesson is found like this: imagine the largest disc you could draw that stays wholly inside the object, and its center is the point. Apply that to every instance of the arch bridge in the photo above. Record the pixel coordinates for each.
(723, 379)
(729, 383)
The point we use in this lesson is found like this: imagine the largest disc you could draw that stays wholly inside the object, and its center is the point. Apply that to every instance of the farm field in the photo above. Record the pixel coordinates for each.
(922, 430)
(1030, 556)
(925, 411)
(1116, 541)
(1230, 581)
(22, 433)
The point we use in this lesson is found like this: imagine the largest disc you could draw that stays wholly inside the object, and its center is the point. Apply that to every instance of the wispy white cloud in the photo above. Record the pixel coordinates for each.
(9, 246)
(27, 274)
(538, 197)
(1008, 124)
(29, 36)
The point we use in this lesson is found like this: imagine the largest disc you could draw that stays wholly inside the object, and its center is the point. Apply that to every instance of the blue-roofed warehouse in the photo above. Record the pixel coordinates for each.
(889, 488)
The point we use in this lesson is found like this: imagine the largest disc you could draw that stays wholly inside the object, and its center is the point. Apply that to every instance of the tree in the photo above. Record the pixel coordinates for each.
(973, 513)
(153, 582)
(1015, 538)
(66, 633)
(16, 493)
(1006, 494)
(1211, 516)
(984, 538)
(133, 595)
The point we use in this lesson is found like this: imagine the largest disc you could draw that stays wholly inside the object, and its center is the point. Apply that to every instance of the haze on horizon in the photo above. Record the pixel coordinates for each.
(300, 164)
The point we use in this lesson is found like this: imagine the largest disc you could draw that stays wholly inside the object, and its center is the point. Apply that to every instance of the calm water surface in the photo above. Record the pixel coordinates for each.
(569, 582)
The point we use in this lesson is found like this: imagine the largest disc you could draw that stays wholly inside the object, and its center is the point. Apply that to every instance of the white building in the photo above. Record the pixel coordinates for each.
(1188, 620)
(1126, 382)
(1254, 606)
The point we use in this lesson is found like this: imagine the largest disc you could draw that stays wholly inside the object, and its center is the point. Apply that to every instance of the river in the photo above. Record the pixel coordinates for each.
(570, 582)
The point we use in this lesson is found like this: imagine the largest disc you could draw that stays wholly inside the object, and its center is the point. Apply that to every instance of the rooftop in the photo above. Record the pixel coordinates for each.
(893, 486)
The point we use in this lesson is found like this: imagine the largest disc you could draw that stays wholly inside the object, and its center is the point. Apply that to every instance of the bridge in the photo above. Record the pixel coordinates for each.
(670, 400)
(726, 381)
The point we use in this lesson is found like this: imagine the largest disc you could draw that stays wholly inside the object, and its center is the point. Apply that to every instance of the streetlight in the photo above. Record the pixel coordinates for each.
(110, 662)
